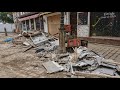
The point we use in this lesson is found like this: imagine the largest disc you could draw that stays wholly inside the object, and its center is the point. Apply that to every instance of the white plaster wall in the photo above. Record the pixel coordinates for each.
(9, 27)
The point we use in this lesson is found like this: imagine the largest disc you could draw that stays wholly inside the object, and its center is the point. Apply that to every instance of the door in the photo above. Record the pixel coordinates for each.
(83, 24)
(54, 24)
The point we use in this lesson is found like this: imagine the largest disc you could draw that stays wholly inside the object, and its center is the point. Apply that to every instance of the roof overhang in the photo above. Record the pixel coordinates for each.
(29, 17)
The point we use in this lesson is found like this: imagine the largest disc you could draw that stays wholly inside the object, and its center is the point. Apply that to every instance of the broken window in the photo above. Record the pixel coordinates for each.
(32, 24)
(24, 26)
(27, 24)
(41, 23)
(83, 18)
(37, 23)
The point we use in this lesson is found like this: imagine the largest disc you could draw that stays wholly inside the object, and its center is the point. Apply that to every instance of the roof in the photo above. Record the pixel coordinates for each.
(28, 14)
(32, 15)
(28, 17)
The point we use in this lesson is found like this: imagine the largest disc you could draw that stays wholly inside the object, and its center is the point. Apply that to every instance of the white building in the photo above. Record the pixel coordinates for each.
(9, 27)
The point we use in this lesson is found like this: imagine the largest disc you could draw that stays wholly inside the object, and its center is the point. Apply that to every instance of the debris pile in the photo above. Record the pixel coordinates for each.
(86, 61)
(91, 62)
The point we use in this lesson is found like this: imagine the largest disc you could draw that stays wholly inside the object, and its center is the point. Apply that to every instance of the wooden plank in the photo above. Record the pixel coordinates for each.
(53, 24)
(30, 47)
(92, 75)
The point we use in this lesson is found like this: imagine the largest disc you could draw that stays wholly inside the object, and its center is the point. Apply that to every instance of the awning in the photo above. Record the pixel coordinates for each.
(44, 13)
(29, 17)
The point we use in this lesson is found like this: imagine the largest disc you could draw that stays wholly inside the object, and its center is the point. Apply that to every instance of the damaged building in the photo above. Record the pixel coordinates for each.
(91, 26)
(46, 27)
(46, 21)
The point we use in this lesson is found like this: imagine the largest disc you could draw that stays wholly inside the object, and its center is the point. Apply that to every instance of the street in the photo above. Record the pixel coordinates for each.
(107, 51)
(14, 63)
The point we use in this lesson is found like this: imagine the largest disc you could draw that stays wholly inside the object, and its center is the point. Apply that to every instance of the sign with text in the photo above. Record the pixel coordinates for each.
(109, 15)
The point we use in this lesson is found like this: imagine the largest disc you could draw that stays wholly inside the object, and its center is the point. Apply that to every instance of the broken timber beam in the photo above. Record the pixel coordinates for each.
(28, 48)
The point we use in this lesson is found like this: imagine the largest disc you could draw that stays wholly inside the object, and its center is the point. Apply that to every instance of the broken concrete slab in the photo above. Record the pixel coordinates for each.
(52, 67)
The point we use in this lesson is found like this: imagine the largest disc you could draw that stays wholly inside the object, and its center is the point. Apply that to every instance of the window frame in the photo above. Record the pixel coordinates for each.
(87, 17)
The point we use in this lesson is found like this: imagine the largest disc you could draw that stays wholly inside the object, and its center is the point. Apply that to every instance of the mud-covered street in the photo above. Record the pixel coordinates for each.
(15, 63)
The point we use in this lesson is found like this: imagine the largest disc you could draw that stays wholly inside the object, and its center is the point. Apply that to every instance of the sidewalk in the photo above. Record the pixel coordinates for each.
(107, 51)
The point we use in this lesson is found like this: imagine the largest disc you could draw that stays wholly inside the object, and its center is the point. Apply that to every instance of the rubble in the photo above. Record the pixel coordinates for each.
(26, 43)
(52, 67)
(86, 61)
(92, 63)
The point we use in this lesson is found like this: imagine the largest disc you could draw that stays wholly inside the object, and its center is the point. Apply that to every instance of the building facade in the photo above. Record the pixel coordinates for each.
(86, 25)
(28, 21)
(99, 27)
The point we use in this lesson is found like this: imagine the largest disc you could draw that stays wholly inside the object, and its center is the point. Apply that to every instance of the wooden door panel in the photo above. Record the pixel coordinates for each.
(54, 24)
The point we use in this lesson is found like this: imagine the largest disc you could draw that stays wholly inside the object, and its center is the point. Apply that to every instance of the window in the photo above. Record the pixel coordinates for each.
(83, 18)
(24, 27)
(41, 23)
(21, 13)
(27, 24)
(37, 23)
(17, 14)
(32, 24)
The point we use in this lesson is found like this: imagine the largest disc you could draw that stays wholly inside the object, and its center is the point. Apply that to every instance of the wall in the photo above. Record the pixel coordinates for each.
(45, 17)
(9, 27)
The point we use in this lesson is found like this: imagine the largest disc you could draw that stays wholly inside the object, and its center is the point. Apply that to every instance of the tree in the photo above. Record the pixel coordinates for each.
(6, 17)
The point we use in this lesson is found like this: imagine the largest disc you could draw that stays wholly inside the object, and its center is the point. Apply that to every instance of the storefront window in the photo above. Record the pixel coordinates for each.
(32, 24)
(83, 18)
(37, 23)
(24, 27)
(41, 23)
(27, 24)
